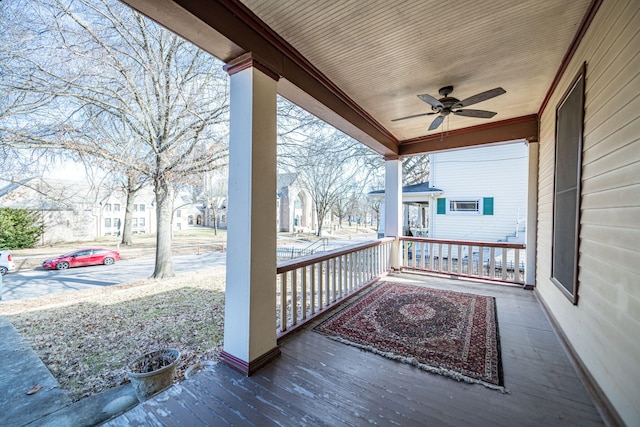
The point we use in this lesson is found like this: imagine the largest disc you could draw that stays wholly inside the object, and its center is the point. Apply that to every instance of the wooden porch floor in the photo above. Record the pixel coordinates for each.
(318, 381)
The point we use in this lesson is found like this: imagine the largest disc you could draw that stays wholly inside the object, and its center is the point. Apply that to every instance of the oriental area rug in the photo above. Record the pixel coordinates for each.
(449, 333)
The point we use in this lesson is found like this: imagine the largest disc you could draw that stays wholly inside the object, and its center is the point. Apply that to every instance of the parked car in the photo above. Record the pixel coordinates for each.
(82, 257)
(6, 262)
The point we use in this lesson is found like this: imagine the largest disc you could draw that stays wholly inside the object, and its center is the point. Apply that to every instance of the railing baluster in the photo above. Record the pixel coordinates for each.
(312, 294)
(504, 264)
(516, 265)
(294, 297)
(320, 284)
(304, 292)
(405, 253)
(431, 267)
(492, 263)
(283, 302)
(340, 268)
(327, 278)
(334, 279)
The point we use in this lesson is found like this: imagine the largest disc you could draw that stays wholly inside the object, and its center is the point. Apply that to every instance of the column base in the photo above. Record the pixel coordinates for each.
(249, 368)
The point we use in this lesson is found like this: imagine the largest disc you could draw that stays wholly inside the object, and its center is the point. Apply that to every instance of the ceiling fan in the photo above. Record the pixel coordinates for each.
(450, 105)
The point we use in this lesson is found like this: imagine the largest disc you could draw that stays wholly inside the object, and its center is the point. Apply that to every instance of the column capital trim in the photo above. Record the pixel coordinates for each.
(249, 60)
(393, 157)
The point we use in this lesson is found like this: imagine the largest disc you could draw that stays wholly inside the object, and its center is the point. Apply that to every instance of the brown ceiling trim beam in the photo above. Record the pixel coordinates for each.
(582, 29)
(236, 22)
(525, 127)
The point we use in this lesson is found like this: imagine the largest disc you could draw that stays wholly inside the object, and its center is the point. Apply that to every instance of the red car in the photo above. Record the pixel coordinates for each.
(81, 258)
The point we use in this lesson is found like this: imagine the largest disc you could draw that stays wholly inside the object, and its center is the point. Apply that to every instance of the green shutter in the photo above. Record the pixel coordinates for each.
(487, 206)
(442, 206)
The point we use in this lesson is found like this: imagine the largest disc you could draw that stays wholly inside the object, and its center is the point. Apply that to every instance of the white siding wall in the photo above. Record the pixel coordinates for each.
(604, 328)
(498, 171)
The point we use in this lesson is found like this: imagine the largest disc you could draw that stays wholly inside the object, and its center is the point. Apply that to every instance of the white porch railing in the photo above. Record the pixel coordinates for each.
(497, 261)
(308, 286)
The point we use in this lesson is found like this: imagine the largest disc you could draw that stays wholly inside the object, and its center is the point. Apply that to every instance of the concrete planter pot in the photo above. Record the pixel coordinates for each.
(152, 372)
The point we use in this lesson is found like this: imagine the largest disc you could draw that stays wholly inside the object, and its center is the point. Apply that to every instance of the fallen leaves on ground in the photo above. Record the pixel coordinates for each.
(87, 338)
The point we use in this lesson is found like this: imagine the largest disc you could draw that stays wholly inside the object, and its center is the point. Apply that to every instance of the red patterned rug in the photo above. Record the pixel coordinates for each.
(450, 333)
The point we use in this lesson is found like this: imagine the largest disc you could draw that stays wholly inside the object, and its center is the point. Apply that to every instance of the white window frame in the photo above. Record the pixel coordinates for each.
(478, 200)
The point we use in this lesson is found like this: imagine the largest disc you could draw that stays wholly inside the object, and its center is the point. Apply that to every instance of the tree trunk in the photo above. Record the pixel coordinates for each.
(164, 264)
(127, 238)
(320, 221)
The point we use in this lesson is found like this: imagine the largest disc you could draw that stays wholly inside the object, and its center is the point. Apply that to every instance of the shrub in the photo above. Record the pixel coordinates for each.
(19, 228)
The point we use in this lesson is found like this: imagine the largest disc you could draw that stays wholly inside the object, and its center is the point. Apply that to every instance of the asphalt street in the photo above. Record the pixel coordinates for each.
(39, 282)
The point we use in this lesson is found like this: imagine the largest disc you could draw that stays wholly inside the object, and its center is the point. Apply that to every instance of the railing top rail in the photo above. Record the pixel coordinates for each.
(466, 242)
(304, 261)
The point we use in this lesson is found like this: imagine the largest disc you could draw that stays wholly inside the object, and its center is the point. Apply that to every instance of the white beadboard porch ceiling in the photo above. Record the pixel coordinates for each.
(382, 53)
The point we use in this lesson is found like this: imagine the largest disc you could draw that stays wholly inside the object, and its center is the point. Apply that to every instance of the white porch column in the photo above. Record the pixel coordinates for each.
(393, 207)
(250, 318)
(532, 216)
(382, 220)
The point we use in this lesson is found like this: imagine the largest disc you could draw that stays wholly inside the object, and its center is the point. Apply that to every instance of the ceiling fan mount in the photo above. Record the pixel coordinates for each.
(445, 91)
(450, 105)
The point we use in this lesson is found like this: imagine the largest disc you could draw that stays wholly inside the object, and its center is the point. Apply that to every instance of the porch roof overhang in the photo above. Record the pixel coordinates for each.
(415, 193)
(359, 65)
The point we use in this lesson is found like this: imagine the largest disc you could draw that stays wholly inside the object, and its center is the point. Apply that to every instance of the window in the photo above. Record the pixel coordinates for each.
(117, 223)
(134, 222)
(467, 206)
(179, 213)
(141, 207)
(107, 207)
(135, 207)
(141, 222)
(566, 189)
(107, 223)
(116, 207)
(464, 206)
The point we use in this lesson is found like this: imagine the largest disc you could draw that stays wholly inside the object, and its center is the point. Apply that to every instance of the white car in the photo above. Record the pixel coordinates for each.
(6, 262)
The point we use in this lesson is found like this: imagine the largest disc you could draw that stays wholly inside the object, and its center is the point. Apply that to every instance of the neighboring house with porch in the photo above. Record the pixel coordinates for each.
(417, 200)
(484, 193)
(477, 194)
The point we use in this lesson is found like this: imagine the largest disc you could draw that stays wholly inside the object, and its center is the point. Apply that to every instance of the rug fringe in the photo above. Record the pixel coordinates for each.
(412, 361)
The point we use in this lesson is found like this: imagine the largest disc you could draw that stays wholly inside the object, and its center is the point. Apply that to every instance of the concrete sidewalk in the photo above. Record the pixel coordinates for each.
(22, 372)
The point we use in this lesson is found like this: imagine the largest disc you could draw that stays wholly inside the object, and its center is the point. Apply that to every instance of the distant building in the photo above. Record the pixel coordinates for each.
(294, 206)
(74, 211)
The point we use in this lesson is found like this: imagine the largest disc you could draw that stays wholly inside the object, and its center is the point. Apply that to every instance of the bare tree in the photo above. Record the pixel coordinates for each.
(124, 90)
(415, 169)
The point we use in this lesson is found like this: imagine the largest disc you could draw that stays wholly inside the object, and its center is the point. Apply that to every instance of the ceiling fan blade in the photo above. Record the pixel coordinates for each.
(481, 97)
(411, 117)
(481, 114)
(431, 101)
(437, 122)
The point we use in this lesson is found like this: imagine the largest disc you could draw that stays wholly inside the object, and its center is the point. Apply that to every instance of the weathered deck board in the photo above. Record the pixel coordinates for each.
(318, 381)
